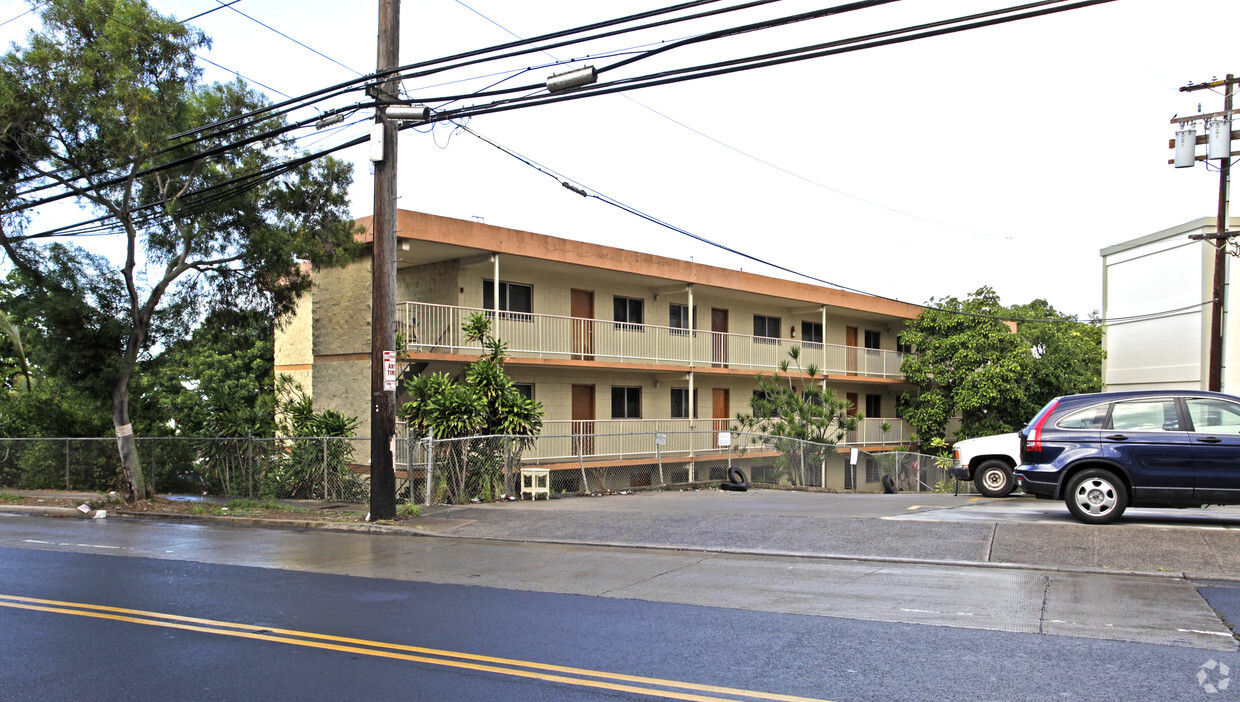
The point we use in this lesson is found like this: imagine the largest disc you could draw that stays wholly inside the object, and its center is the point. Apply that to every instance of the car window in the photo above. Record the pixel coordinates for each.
(1088, 418)
(1214, 415)
(1145, 415)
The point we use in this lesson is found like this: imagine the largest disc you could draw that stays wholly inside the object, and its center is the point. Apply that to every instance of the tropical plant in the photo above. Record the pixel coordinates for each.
(483, 403)
(798, 408)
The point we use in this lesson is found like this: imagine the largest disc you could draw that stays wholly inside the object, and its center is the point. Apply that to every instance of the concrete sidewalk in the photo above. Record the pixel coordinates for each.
(846, 526)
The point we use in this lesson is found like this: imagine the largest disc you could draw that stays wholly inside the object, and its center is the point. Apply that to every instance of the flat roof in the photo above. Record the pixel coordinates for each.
(447, 238)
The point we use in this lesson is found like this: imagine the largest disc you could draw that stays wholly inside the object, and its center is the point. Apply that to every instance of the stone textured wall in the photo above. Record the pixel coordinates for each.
(341, 309)
(436, 283)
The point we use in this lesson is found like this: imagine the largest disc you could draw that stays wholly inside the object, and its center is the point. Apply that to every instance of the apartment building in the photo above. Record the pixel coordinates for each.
(611, 342)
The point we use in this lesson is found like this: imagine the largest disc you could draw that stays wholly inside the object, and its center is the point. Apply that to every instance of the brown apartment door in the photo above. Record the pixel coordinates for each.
(583, 420)
(850, 341)
(720, 412)
(582, 309)
(719, 337)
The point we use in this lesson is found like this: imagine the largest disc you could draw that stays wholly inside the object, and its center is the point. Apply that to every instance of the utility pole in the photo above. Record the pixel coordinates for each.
(383, 275)
(1221, 237)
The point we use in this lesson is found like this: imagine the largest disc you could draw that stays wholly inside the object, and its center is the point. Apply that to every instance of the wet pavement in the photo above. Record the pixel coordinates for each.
(921, 528)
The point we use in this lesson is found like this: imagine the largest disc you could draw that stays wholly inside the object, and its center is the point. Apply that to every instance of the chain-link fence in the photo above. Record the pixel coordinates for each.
(318, 468)
(488, 467)
(459, 470)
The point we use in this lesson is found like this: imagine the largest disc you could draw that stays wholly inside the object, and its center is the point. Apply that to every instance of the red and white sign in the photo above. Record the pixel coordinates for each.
(389, 371)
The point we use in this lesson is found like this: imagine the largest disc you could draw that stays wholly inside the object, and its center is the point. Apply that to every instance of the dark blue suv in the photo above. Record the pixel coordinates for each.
(1104, 452)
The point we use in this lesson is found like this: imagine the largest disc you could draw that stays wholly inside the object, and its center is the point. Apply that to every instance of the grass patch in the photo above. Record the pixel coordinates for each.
(408, 511)
(10, 497)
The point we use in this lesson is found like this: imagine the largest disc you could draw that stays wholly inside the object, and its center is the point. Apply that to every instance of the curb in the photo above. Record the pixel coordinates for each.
(61, 512)
(270, 523)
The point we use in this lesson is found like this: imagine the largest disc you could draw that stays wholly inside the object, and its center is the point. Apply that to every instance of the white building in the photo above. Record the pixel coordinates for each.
(1156, 293)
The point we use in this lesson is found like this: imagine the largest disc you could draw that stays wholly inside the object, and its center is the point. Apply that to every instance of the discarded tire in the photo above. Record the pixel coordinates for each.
(736, 481)
(889, 485)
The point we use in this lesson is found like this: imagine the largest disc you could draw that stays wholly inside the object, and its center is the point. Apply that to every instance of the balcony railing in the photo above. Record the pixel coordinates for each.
(428, 328)
(621, 439)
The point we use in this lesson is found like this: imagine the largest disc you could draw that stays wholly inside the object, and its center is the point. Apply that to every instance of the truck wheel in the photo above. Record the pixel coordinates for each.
(994, 478)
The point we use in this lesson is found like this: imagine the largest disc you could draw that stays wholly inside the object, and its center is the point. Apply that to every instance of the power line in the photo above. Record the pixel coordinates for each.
(585, 191)
(304, 46)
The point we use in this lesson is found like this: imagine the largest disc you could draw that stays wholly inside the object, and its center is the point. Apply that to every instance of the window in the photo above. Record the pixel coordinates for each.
(513, 297)
(873, 406)
(628, 311)
(1214, 416)
(765, 328)
(680, 403)
(903, 347)
(626, 403)
(1145, 415)
(678, 318)
(811, 332)
(763, 404)
(873, 339)
(526, 390)
(1088, 418)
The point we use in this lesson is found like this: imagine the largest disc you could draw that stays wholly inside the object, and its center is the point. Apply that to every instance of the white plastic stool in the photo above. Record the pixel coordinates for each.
(536, 481)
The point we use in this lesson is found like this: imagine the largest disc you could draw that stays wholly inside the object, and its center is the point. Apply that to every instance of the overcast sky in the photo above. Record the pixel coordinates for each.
(1006, 156)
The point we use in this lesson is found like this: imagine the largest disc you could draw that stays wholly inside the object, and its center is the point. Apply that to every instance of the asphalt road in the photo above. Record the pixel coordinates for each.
(821, 629)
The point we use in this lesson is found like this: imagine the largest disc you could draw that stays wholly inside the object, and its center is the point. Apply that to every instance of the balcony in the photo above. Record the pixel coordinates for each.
(621, 439)
(428, 328)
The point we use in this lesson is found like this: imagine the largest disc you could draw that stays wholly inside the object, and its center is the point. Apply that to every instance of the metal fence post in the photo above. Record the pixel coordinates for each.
(430, 463)
(249, 466)
(67, 487)
(324, 440)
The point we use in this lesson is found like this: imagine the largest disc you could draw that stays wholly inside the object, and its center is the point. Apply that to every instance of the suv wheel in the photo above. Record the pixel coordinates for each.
(994, 478)
(1096, 496)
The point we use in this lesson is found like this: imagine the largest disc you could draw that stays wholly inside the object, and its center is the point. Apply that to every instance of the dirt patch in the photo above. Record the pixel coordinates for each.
(253, 509)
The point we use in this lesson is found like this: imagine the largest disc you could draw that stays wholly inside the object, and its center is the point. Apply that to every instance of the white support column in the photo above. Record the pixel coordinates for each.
(495, 287)
(824, 348)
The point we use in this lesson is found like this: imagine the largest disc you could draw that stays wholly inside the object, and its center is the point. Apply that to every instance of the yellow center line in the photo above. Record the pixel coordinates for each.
(395, 651)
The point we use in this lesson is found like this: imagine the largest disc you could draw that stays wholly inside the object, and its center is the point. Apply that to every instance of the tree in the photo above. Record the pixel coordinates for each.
(970, 363)
(484, 403)
(221, 380)
(796, 406)
(1065, 355)
(91, 108)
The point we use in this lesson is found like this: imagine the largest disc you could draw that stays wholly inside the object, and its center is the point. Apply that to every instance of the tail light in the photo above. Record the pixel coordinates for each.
(1035, 434)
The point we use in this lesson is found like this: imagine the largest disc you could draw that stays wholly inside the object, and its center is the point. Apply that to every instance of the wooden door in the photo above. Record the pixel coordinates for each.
(850, 353)
(582, 310)
(719, 338)
(583, 420)
(720, 412)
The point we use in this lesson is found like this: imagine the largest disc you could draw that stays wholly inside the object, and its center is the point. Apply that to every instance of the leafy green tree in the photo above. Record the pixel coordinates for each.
(91, 106)
(484, 403)
(970, 363)
(221, 380)
(1065, 355)
(796, 406)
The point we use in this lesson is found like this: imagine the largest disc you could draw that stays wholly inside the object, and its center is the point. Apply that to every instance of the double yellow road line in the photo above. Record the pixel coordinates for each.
(654, 687)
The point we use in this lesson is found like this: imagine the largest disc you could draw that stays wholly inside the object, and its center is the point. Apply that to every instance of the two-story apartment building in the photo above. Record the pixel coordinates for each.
(611, 342)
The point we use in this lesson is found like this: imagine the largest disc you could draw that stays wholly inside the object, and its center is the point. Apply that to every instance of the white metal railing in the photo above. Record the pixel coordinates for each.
(632, 438)
(430, 328)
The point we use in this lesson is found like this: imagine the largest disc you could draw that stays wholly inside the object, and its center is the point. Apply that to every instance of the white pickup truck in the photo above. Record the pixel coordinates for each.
(988, 461)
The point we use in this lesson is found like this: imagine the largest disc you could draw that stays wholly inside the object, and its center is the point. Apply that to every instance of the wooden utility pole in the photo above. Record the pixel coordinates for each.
(1221, 236)
(383, 279)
